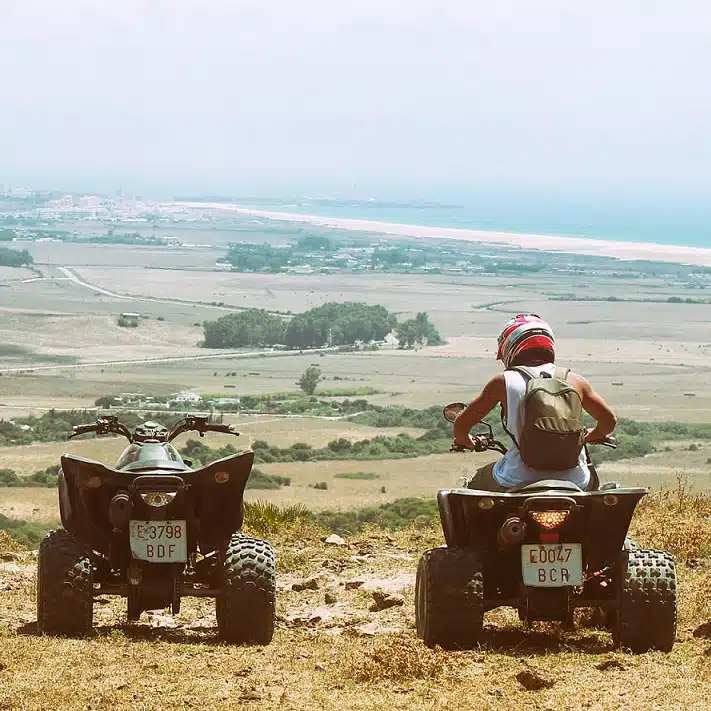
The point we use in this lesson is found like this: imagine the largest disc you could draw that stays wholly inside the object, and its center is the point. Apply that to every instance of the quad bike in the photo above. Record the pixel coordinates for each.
(153, 530)
(545, 548)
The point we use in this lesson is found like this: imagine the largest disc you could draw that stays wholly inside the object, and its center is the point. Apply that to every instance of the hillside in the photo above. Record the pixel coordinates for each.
(332, 652)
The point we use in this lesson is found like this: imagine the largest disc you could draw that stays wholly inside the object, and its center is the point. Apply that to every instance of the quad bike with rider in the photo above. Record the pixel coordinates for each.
(545, 548)
(154, 530)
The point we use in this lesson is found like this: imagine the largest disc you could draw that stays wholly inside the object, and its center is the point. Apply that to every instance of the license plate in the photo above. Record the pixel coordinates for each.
(159, 541)
(552, 565)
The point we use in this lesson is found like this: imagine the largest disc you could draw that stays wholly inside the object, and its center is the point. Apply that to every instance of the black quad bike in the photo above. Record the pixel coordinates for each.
(544, 549)
(153, 530)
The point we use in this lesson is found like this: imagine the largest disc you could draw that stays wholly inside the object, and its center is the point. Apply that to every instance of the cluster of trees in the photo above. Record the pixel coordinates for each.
(401, 446)
(258, 257)
(244, 329)
(418, 331)
(333, 324)
(45, 478)
(267, 258)
(14, 258)
(393, 516)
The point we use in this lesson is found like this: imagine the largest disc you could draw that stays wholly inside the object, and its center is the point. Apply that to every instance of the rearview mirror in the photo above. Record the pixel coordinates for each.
(453, 410)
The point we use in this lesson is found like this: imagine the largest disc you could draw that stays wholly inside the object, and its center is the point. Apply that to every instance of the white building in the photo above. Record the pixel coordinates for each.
(187, 397)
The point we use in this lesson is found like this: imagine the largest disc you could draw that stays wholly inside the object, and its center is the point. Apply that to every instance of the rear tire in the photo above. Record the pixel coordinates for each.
(449, 597)
(246, 603)
(65, 586)
(647, 614)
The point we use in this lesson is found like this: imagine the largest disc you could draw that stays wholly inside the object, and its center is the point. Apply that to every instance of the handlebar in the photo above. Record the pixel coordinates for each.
(104, 425)
(109, 424)
(199, 424)
(608, 441)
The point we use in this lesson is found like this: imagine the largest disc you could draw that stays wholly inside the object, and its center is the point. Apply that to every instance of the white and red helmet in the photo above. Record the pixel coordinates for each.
(522, 333)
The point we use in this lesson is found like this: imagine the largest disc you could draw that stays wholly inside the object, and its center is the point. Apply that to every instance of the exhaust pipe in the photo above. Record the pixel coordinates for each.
(511, 533)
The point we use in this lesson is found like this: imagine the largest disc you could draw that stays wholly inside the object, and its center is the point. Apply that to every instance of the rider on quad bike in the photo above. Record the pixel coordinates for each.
(541, 408)
(536, 531)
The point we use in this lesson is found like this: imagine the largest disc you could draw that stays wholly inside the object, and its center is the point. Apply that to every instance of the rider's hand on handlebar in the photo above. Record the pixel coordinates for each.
(462, 447)
(593, 437)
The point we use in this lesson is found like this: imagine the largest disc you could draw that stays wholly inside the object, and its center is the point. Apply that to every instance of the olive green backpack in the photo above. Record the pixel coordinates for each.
(552, 430)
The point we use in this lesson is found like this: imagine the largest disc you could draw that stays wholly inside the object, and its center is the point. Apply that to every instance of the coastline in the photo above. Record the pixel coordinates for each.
(698, 256)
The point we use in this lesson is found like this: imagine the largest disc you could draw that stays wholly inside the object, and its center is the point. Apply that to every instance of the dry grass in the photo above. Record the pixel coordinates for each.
(401, 658)
(675, 520)
(7, 545)
(323, 657)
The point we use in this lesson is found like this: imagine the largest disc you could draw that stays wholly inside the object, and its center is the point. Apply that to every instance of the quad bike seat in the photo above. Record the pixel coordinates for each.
(547, 485)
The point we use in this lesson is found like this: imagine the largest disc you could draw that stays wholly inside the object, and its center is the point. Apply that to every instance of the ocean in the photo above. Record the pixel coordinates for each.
(684, 225)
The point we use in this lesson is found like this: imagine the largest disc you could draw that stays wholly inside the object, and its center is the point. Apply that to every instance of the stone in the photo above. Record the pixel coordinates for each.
(334, 540)
(311, 583)
(532, 680)
(384, 600)
(353, 584)
(330, 599)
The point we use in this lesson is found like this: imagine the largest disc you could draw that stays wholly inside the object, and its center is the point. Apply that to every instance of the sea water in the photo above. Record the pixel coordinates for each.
(671, 224)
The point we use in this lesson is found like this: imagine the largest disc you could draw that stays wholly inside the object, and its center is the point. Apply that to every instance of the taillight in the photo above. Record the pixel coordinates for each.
(550, 519)
(158, 498)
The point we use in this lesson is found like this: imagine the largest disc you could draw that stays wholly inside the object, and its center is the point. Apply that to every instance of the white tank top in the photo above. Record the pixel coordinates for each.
(511, 470)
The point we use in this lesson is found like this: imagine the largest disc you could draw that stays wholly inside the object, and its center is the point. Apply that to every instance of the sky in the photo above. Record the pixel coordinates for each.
(412, 98)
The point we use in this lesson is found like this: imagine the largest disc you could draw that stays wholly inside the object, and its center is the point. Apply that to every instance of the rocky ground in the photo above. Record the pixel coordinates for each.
(345, 640)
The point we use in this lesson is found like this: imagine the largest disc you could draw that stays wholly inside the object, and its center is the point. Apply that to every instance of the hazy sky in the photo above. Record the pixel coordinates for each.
(365, 96)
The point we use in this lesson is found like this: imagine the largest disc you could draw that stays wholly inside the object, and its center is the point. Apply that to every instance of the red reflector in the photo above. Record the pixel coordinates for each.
(550, 537)
(222, 477)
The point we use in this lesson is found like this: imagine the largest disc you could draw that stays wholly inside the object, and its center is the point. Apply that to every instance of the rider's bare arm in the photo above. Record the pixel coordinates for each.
(493, 393)
(596, 407)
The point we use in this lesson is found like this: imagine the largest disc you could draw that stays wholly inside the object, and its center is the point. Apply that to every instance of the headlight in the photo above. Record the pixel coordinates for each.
(550, 519)
(158, 498)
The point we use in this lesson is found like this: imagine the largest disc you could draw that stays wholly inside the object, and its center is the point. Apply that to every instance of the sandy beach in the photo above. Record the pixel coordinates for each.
(545, 243)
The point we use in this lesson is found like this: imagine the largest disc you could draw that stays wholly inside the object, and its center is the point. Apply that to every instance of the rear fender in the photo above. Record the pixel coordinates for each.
(471, 518)
(219, 497)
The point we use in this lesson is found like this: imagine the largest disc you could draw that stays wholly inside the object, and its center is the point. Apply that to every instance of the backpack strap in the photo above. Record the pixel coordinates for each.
(525, 372)
(561, 373)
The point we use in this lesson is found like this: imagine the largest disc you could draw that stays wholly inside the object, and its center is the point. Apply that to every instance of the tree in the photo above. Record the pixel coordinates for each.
(310, 379)
(13, 258)
(418, 330)
(252, 327)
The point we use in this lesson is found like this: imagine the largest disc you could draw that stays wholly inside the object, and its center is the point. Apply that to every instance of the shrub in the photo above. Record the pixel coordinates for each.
(261, 480)
(392, 516)
(26, 533)
(264, 519)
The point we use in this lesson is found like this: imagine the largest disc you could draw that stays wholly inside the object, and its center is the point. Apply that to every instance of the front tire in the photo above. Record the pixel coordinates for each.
(246, 602)
(449, 598)
(647, 614)
(65, 586)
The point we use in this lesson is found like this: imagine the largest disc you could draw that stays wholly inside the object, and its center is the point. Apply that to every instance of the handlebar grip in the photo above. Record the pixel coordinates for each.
(459, 448)
(608, 441)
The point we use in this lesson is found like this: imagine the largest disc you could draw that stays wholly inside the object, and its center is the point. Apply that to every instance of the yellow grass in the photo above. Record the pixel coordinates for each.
(320, 657)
